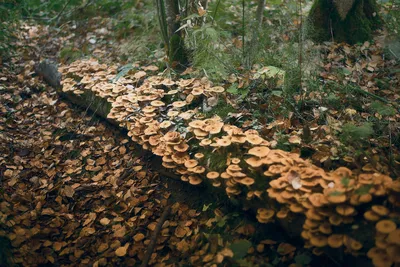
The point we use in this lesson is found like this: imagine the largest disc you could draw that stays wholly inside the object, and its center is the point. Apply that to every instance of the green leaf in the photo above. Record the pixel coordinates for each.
(205, 207)
(221, 221)
(124, 70)
(303, 259)
(233, 89)
(363, 190)
(346, 71)
(239, 248)
(335, 193)
(345, 181)
(277, 93)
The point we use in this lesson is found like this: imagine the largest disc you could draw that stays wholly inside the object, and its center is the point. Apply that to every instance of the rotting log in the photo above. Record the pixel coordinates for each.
(87, 100)
(340, 205)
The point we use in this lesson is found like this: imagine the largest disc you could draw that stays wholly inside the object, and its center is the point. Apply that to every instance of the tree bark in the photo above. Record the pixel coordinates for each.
(176, 48)
(256, 30)
(350, 21)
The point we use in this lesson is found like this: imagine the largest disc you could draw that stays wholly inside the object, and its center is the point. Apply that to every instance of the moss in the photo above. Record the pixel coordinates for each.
(222, 109)
(358, 26)
(70, 54)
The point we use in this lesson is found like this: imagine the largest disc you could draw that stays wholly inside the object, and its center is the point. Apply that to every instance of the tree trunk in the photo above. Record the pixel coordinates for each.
(176, 48)
(256, 30)
(350, 21)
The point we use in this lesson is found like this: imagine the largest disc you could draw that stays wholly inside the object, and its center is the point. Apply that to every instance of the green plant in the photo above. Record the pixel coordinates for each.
(354, 133)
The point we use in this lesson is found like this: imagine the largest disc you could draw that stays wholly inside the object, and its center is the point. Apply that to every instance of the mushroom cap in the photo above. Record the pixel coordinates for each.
(254, 139)
(199, 155)
(198, 169)
(335, 241)
(314, 215)
(179, 104)
(386, 226)
(365, 198)
(394, 237)
(157, 103)
(232, 190)
(205, 142)
(191, 163)
(282, 213)
(197, 91)
(317, 199)
(254, 162)
(196, 124)
(335, 219)
(296, 208)
(345, 210)
(355, 245)
(371, 216)
(336, 197)
(319, 240)
(259, 151)
(265, 213)
(182, 147)
(247, 181)
(235, 160)
(194, 180)
(212, 175)
(238, 139)
(380, 210)
(216, 183)
(224, 142)
(393, 252)
(225, 175)
(165, 124)
(200, 133)
(234, 168)
(325, 228)
(217, 89)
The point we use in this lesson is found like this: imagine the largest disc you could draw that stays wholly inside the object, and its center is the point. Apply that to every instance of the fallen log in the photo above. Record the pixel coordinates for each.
(334, 211)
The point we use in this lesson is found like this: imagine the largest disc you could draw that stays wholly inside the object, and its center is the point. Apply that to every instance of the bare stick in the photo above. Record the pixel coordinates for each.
(153, 240)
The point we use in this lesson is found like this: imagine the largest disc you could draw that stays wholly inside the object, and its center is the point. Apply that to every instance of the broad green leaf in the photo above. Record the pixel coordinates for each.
(239, 248)
(363, 190)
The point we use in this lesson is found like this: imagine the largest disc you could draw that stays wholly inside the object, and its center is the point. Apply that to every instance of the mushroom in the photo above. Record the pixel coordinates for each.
(317, 199)
(191, 163)
(259, 151)
(194, 180)
(394, 237)
(212, 175)
(318, 240)
(335, 241)
(371, 216)
(199, 155)
(247, 181)
(385, 226)
(345, 210)
(380, 210)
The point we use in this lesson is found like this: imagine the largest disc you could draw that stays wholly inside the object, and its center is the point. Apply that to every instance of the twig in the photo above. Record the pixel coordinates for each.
(153, 239)
(57, 18)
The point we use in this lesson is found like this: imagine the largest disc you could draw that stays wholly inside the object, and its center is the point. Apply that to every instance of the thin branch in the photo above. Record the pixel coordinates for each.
(153, 240)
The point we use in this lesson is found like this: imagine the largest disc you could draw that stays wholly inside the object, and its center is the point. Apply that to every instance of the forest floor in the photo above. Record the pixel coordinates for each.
(75, 191)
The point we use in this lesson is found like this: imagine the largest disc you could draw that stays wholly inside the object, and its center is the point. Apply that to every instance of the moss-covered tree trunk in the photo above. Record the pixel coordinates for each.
(176, 48)
(350, 21)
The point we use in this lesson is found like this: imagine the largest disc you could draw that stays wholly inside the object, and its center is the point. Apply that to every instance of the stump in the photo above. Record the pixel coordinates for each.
(343, 20)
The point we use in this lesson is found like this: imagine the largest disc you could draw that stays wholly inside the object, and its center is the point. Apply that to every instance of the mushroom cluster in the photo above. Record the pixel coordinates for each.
(161, 115)
(89, 74)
